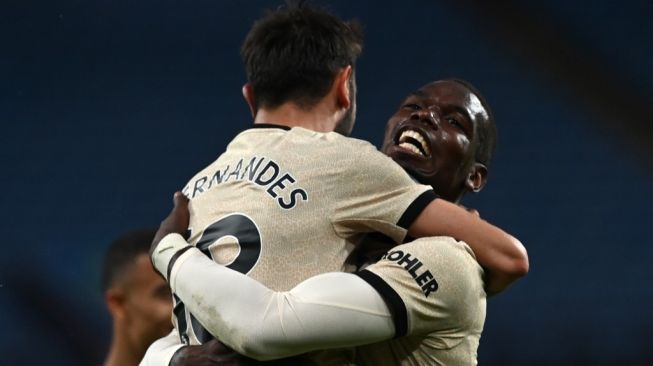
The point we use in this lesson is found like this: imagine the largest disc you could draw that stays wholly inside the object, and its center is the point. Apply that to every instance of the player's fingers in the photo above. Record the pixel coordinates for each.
(179, 199)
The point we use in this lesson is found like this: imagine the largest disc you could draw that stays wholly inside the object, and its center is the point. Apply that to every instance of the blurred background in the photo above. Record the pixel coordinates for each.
(108, 107)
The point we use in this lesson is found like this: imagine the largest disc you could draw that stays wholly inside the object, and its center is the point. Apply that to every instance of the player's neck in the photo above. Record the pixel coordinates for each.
(121, 352)
(321, 118)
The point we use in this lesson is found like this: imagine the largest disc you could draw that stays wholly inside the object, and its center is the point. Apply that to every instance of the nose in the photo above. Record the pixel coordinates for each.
(425, 115)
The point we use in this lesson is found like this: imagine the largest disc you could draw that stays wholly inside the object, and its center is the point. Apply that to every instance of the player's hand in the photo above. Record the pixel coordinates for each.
(209, 354)
(176, 222)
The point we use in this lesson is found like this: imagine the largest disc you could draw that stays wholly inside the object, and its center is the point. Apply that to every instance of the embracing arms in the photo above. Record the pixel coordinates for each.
(503, 256)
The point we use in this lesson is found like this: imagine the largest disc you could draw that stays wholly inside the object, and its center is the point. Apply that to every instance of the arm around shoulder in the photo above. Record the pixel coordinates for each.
(503, 256)
(332, 310)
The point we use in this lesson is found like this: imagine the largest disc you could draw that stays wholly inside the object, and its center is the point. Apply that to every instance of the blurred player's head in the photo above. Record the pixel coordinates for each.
(138, 299)
(298, 54)
(444, 134)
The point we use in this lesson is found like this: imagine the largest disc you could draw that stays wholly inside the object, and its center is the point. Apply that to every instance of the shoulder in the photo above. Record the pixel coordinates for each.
(335, 139)
(431, 284)
(450, 262)
(442, 252)
(353, 155)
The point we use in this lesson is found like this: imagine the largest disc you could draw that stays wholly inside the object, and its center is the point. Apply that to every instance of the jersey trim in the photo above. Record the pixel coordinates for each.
(179, 311)
(415, 208)
(270, 125)
(174, 258)
(392, 299)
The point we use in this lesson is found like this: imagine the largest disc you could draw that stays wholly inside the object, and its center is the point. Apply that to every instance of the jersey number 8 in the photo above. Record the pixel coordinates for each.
(246, 232)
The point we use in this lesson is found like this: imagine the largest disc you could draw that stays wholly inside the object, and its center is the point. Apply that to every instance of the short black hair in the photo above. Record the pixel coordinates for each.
(487, 133)
(293, 53)
(122, 253)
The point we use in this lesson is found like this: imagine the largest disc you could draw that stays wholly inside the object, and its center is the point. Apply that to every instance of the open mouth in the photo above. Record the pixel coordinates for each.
(413, 141)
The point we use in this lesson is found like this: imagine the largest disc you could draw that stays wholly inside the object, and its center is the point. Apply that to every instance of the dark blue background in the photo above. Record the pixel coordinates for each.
(107, 107)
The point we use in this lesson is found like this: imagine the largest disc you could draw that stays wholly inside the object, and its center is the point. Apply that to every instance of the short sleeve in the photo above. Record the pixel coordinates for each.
(430, 284)
(378, 196)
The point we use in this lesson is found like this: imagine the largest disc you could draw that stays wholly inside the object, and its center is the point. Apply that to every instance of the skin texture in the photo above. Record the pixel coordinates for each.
(336, 111)
(448, 115)
(346, 123)
(140, 306)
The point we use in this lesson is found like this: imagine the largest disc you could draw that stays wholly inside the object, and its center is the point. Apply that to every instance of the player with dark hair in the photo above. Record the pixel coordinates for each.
(291, 179)
(136, 297)
(429, 294)
(292, 55)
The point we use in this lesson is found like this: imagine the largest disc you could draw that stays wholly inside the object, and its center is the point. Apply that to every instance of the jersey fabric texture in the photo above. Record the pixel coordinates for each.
(282, 205)
(435, 289)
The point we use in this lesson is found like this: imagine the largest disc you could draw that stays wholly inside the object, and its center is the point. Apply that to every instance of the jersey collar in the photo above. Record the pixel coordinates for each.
(270, 125)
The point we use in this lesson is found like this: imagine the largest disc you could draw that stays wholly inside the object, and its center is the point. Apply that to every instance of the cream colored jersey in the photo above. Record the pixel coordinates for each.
(282, 205)
(435, 289)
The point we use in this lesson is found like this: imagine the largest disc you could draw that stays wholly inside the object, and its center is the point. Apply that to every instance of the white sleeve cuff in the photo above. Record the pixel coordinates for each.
(165, 250)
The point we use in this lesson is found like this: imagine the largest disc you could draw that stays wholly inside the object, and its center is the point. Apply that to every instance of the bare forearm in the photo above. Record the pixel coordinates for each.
(503, 256)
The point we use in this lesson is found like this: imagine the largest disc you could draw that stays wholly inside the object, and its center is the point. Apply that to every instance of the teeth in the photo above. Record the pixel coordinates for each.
(417, 137)
(411, 147)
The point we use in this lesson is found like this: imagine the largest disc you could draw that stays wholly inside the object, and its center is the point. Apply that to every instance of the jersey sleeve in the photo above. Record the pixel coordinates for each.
(331, 310)
(378, 196)
(161, 351)
(430, 284)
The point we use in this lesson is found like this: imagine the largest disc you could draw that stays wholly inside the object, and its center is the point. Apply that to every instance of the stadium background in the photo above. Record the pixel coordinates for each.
(107, 107)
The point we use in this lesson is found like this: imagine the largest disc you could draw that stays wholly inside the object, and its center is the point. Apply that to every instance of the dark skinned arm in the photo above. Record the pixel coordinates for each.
(503, 257)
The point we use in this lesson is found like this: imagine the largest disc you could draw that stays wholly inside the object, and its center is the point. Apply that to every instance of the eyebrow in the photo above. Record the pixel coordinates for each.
(463, 111)
(459, 109)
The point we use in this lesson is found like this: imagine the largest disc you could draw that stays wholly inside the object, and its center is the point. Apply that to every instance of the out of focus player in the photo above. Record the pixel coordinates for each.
(137, 298)
(251, 208)
(433, 289)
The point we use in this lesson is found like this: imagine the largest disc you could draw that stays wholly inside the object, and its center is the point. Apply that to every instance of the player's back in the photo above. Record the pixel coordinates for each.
(282, 205)
(295, 200)
(441, 285)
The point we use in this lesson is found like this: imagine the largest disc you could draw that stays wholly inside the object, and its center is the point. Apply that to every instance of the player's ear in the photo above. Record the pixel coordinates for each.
(248, 94)
(476, 178)
(115, 299)
(342, 87)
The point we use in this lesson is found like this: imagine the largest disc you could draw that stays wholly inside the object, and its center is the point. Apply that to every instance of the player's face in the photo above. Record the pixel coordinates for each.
(148, 304)
(433, 135)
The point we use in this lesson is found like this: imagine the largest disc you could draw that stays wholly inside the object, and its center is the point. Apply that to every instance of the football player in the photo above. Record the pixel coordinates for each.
(136, 296)
(290, 171)
(429, 293)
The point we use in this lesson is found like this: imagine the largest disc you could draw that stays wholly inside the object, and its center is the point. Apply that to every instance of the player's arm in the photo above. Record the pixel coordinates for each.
(211, 353)
(331, 310)
(503, 256)
(433, 286)
(390, 202)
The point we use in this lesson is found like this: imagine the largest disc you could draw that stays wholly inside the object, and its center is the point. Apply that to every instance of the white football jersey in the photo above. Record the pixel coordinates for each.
(434, 287)
(282, 205)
